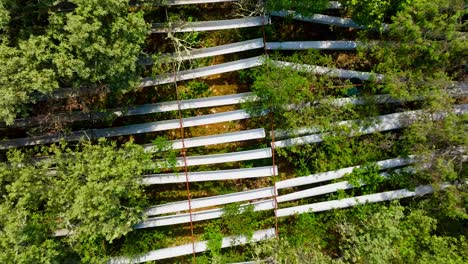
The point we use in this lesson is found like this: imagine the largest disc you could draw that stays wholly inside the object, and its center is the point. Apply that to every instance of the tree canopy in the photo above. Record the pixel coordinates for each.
(66, 44)
(83, 191)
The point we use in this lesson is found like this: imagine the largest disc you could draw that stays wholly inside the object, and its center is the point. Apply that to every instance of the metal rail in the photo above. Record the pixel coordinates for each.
(186, 249)
(199, 215)
(180, 27)
(336, 174)
(378, 124)
(203, 71)
(353, 201)
(126, 130)
(338, 73)
(225, 157)
(213, 101)
(209, 52)
(262, 193)
(162, 79)
(214, 139)
(323, 19)
(304, 45)
(217, 175)
(210, 201)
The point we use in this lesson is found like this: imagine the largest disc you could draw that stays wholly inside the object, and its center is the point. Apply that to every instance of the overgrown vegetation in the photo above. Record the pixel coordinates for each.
(48, 45)
(302, 6)
(92, 191)
(366, 234)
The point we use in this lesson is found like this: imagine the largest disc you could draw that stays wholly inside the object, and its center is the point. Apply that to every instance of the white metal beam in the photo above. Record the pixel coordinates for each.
(210, 25)
(318, 18)
(324, 189)
(353, 201)
(225, 157)
(213, 139)
(211, 201)
(198, 215)
(269, 191)
(203, 72)
(218, 175)
(323, 19)
(328, 188)
(336, 174)
(320, 45)
(162, 79)
(338, 73)
(213, 101)
(210, 52)
(127, 130)
(187, 249)
(378, 124)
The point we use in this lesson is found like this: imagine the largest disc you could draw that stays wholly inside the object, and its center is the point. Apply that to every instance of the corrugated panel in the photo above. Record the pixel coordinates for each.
(187, 249)
(218, 175)
(210, 25)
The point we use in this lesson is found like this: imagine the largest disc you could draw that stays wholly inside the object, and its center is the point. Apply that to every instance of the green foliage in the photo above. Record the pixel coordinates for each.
(215, 237)
(440, 148)
(282, 251)
(306, 230)
(365, 234)
(91, 36)
(142, 241)
(67, 49)
(391, 236)
(296, 99)
(339, 151)
(372, 13)
(366, 177)
(22, 73)
(24, 230)
(94, 192)
(426, 52)
(240, 221)
(236, 220)
(82, 175)
(194, 89)
(305, 7)
(277, 88)
(4, 15)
